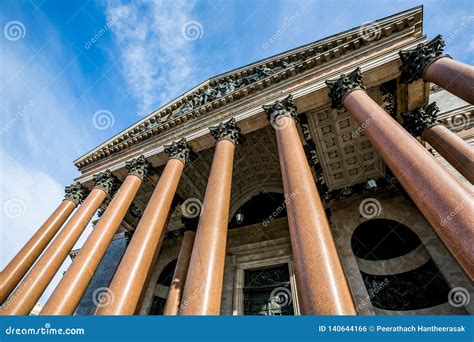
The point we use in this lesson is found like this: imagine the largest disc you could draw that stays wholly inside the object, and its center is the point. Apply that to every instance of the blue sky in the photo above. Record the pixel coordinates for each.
(61, 63)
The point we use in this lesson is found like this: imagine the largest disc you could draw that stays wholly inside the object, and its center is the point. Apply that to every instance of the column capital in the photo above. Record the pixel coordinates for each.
(107, 182)
(340, 87)
(417, 60)
(227, 131)
(178, 150)
(421, 118)
(280, 108)
(76, 193)
(139, 167)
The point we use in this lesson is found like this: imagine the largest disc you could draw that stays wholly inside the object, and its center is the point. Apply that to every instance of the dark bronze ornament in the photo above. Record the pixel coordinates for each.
(415, 61)
(106, 181)
(228, 85)
(420, 119)
(280, 108)
(135, 211)
(178, 150)
(139, 167)
(340, 87)
(227, 131)
(76, 193)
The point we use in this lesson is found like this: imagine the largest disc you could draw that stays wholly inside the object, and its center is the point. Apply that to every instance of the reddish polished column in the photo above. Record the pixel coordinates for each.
(24, 298)
(423, 121)
(320, 280)
(203, 288)
(452, 148)
(428, 62)
(444, 202)
(68, 293)
(130, 277)
(440, 197)
(155, 258)
(454, 76)
(21, 263)
(179, 277)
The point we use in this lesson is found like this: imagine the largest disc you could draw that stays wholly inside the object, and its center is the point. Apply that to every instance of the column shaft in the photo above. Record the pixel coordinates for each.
(452, 148)
(203, 288)
(21, 263)
(454, 76)
(129, 279)
(179, 277)
(72, 286)
(444, 202)
(33, 285)
(320, 279)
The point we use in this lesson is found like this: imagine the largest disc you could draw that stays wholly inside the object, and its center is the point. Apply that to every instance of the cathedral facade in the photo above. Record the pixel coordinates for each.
(332, 179)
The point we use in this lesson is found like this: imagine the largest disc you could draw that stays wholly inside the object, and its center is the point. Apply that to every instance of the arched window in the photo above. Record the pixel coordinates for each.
(162, 287)
(397, 270)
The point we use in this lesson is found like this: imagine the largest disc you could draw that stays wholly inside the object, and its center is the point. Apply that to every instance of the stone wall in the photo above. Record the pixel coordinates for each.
(346, 217)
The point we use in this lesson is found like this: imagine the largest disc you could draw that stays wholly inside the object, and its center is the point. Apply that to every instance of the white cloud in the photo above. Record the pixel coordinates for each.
(27, 198)
(40, 137)
(157, 61)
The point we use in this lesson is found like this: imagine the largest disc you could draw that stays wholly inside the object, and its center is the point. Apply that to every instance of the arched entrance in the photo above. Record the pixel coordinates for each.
(396, 268)
(162, 287)
(258, 209)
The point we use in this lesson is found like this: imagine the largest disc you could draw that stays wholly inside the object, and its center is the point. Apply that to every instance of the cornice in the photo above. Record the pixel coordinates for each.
(307, 84)
(283, 66)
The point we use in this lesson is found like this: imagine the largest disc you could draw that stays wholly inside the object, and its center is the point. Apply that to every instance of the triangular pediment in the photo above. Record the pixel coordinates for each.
(248, 80)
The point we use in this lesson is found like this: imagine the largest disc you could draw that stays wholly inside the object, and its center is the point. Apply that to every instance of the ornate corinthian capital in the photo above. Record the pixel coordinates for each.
(280, 108)
(340, 87)
(139, 167)
(178, 150)
(106, 181)
(227, 131)
(420, 119)
(415, 61)
(76, 193)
